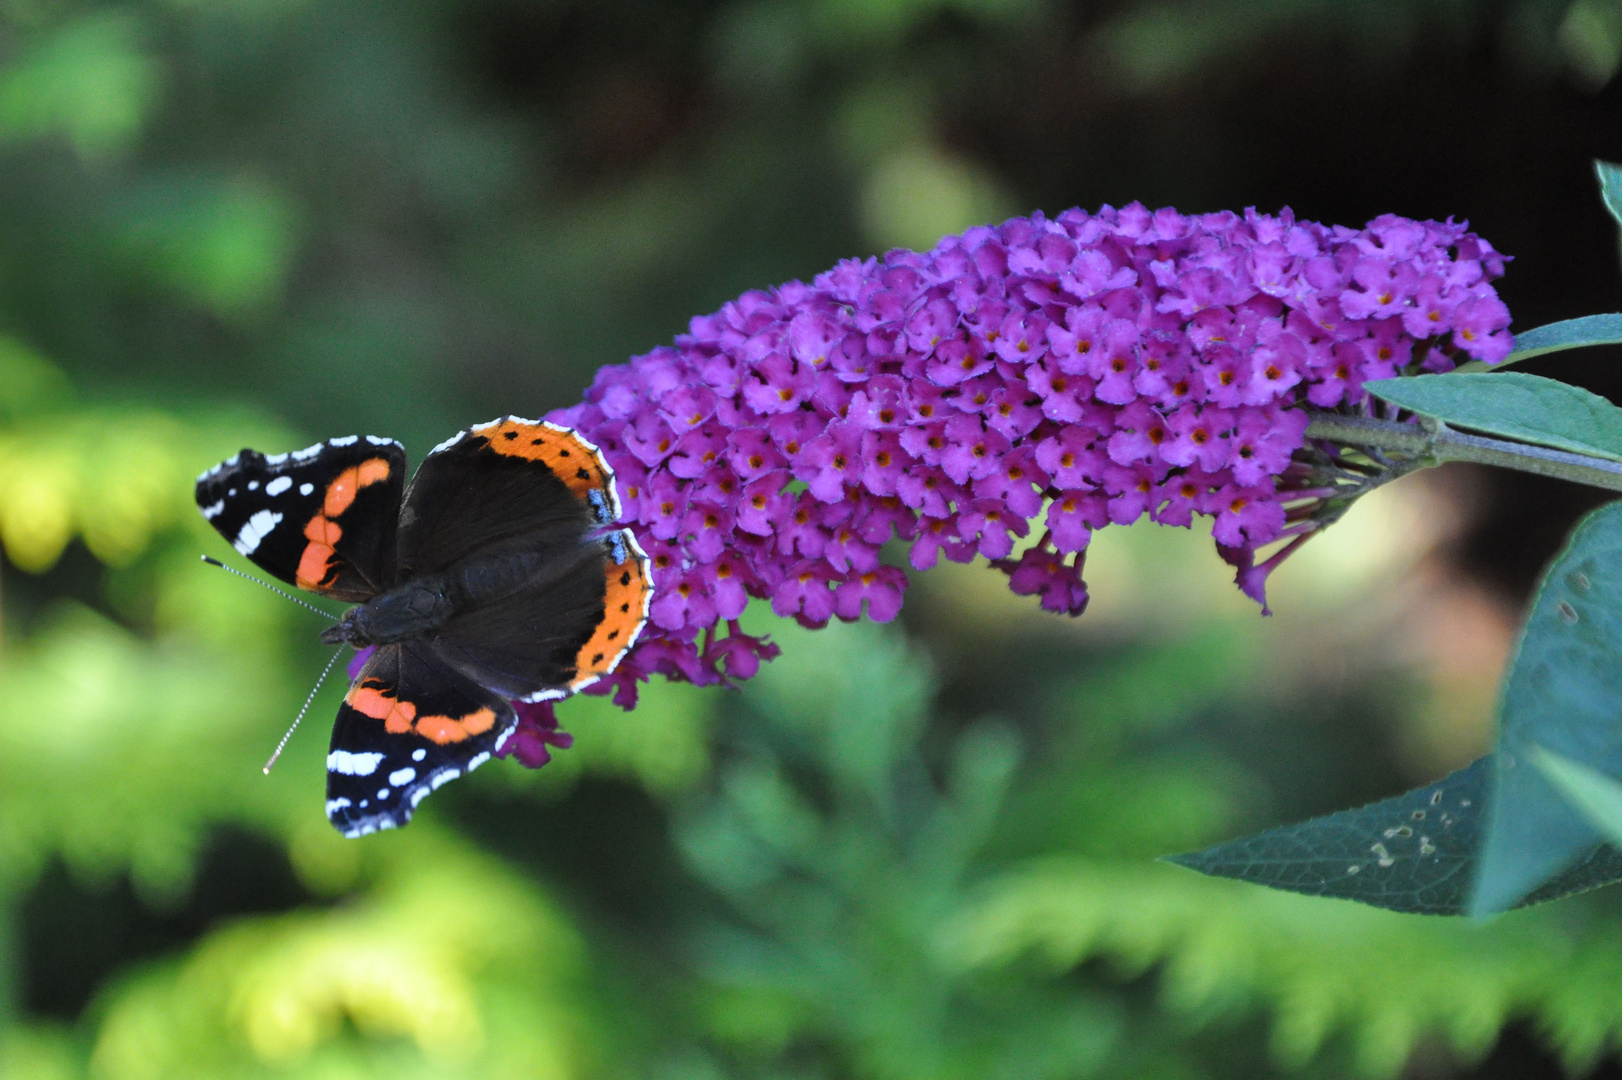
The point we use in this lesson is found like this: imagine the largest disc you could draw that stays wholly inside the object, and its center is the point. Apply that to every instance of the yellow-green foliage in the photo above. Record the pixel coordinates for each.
(158, 738)
(450, 966)
(113, 476)
(1318, 967)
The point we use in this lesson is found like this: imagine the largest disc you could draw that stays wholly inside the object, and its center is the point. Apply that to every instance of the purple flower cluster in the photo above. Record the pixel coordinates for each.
(1060, 375)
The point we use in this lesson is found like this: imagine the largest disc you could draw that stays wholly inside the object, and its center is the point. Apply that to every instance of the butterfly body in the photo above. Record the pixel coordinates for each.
(417, 608)
(496, 576)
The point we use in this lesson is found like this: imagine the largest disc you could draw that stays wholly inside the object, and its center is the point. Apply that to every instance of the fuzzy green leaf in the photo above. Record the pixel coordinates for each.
(1562, 694)
(1414, 852)
(1554, 337)
(1544, 412)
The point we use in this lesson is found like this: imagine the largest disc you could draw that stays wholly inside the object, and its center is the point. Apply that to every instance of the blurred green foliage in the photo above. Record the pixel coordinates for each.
(906, 852)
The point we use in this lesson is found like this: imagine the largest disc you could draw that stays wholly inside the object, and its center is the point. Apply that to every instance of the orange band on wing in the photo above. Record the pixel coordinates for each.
(322, 530)
(625, 609)
(315, 565)
(400, 717)
(397, 716)
(443, 729)
(571, 458)
(343, 489)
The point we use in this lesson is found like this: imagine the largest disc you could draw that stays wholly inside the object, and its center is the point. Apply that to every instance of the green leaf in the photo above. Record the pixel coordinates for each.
(1544, 412)
(1610, 187)
(1414, 852)
(1567, 334)
(1562, 694)
(1598, 796)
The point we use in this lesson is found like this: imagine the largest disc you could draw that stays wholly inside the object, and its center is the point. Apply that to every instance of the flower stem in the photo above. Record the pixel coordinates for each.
(1432, 443)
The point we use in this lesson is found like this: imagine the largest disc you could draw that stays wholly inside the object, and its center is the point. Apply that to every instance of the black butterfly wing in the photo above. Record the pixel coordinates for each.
(407, 726)
(507, 480)
(529, 494)
(323, 518)
(562, 630)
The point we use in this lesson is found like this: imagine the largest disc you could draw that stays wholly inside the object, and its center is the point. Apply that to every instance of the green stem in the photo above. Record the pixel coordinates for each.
(1434, 444)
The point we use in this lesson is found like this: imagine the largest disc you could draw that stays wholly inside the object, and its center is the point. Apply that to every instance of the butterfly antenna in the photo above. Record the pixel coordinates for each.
(283, 592)
(314, 690)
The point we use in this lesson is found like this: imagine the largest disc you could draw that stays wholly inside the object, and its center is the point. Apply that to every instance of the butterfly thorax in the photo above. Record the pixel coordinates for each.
(418, 607)
(413, 610)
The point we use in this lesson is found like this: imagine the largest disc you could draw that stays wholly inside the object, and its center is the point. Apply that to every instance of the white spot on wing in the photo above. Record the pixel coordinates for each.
(382, 793)
(213, 511)
(418, 754)
(305, 489)
(402, 777)
(257, 528)
(335, 805)
(342, 761)
(275, 459)
(418, 795)
(440, 779)
(476, 760)
(278, 485)
(346, 440)
(375, 441)
(308, 452)
(253, 485)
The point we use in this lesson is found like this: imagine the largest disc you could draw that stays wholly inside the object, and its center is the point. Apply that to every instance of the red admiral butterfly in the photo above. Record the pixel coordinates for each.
(493, 577)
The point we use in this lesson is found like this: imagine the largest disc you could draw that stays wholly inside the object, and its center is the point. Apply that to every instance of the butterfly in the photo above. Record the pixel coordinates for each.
(494, 576)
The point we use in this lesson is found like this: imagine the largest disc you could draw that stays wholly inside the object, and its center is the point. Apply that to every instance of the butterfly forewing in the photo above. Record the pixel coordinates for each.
(408, 725)
(497, 482)
(322, 518)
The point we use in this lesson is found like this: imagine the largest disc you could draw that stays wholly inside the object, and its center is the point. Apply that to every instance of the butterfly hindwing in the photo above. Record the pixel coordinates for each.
(561, 631)
(323, 518)
(626, 601)
(407, 726)
(493, 483)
